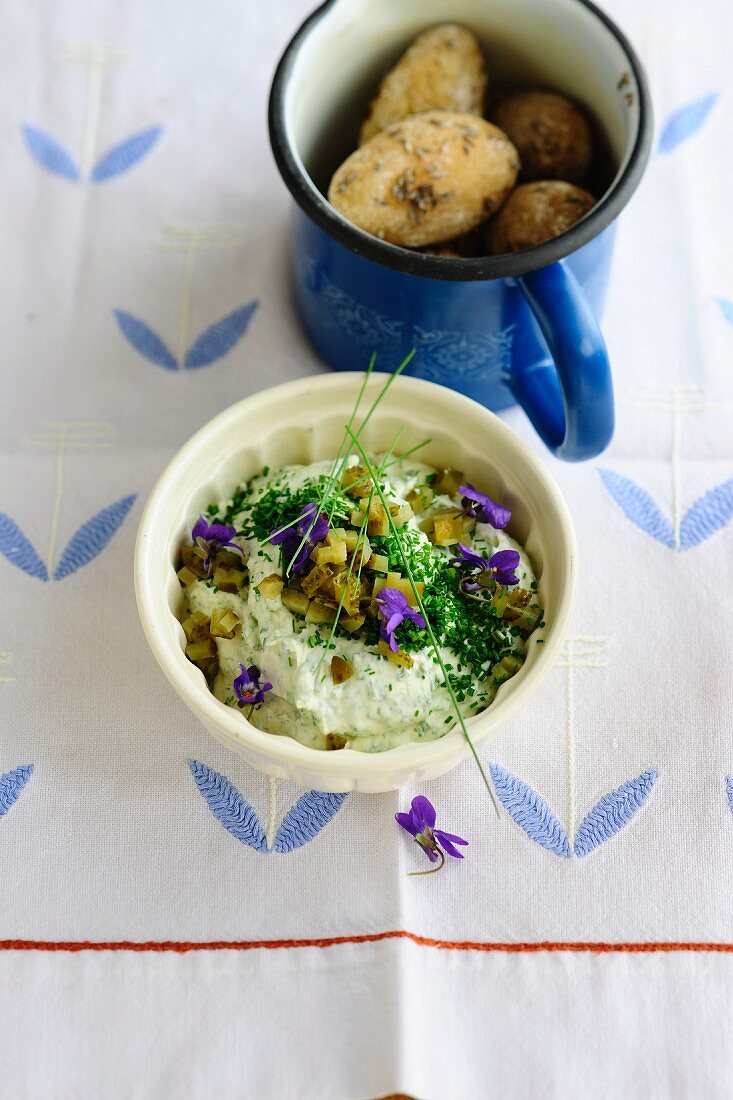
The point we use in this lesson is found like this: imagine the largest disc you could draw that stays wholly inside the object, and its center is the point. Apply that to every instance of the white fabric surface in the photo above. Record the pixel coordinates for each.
(110, 840)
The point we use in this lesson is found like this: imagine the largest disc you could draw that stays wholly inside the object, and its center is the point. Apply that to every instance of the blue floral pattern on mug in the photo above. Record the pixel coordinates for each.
(464, 357)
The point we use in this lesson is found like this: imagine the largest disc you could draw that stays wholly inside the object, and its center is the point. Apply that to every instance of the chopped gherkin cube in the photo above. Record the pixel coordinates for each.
(322, 555)
(199, 651)
(295, 601)
(315, 579)
(224, 623)
(498, 601)
(356, 481)
(319, 612)
(378, 522)
(447, 529)
(379, 563)
(271, 586)
(400, 584)
(228, 579)
(193, 559)
(448, 482)
(352, 623)
(187, 576)
(196, 626)
(420, 498)
(341, 669)
(506, 668)
(400, 658)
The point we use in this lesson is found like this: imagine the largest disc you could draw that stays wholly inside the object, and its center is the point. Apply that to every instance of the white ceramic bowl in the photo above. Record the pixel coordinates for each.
(304, 422)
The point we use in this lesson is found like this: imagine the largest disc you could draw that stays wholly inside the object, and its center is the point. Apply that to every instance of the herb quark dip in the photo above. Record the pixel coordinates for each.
(357, 606)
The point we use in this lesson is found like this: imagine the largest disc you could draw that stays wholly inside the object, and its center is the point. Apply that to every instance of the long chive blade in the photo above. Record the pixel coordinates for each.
(322, 497)
(431, 633)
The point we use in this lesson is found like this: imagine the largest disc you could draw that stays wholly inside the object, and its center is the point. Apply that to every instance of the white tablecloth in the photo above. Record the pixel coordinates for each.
(141, 206)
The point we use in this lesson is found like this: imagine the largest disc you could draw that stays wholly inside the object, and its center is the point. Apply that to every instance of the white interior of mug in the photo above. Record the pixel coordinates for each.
(561, 44)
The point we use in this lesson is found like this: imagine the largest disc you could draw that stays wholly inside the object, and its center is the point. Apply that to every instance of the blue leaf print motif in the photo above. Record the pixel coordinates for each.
(726, 308)
(121, 157)
(305, 819)
(220, 337)
(530, 812)
(144, 340)
(48, 152)
(707, 515)
(92, 537)
(18, 550)
(729, 790)
(685, 121)
(638, 506)
(228, 806)
(11, 784)
(613, 812)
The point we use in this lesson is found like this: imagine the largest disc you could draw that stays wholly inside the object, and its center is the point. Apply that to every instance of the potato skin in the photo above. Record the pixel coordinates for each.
(443, 69)
(537, 212)
(553, 137)
(427, 179)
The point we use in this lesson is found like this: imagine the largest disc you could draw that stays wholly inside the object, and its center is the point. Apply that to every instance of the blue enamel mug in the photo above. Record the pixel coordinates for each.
(518, 328)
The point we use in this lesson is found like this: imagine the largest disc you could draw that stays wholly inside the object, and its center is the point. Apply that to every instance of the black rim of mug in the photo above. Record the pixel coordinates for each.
(317, 207)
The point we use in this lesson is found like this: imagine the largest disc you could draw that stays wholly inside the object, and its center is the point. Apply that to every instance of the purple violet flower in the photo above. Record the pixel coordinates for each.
(483, 507)
(501, 564)
(247, 687)
(394, 609)
(210, 537)
(298, 540)
(469, 557)
(420, 824)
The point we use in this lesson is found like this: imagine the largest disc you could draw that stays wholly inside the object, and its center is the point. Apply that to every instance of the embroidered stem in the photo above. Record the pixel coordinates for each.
(91, 114)
(578, 651)
(184, 334)
(56, 514)
(271, 812)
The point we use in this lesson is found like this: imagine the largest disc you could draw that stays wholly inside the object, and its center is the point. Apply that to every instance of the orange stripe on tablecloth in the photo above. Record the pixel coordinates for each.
(182, 947)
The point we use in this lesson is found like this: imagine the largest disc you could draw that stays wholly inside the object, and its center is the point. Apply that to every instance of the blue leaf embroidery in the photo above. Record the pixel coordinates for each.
(613, 812)
(92, 537)
(121, 157)
(11, 784)
(220, 337)
(18, 550)
(685, 121)
(729, 790)
(228, 806)
(638, 506)
(48, 152)
(707, 515)
(144, 340)
(530, 812)
(305, 819)
(726, 308)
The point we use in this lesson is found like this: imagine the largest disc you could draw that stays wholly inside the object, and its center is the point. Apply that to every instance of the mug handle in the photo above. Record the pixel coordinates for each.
(570, 401)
